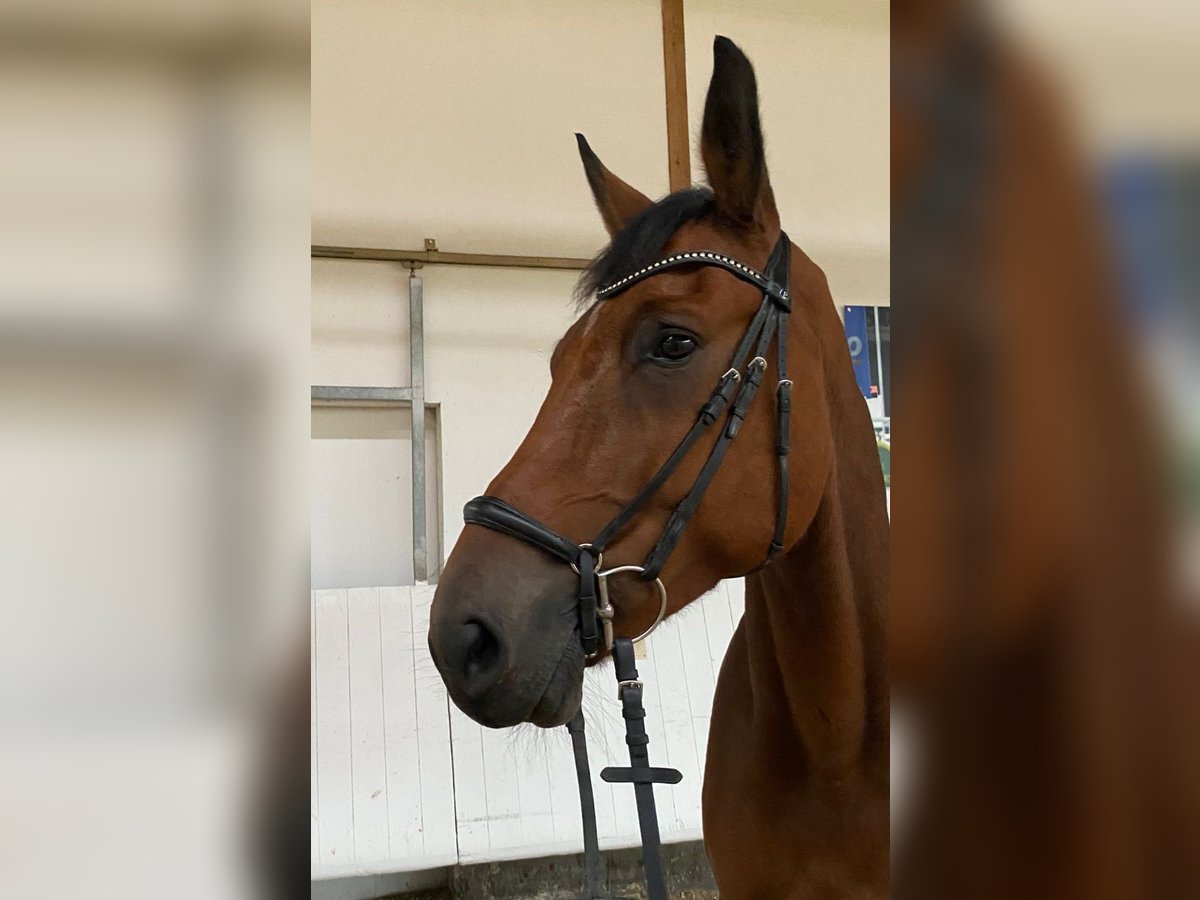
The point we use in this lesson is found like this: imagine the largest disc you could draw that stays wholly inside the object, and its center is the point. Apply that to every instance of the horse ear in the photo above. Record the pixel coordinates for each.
(616, 200)
(731, 141)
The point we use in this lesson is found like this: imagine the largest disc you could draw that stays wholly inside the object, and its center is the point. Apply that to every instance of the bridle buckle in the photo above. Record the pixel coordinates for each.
(621, 685)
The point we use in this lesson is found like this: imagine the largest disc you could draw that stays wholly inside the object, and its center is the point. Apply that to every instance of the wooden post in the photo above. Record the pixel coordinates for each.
(679, 157)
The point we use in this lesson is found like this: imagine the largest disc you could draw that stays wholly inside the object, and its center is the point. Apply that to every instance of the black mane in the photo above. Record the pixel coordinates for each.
(642, 239)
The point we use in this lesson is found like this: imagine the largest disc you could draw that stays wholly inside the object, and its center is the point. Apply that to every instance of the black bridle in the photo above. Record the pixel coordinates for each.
(734, 393)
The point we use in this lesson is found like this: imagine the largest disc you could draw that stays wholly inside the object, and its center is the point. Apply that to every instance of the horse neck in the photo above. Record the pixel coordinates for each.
(816, 617)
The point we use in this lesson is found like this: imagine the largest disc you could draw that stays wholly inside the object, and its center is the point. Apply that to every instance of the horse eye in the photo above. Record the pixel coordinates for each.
(674, 346)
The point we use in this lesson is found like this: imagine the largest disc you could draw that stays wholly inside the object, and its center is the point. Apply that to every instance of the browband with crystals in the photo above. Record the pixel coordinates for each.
(778, 293)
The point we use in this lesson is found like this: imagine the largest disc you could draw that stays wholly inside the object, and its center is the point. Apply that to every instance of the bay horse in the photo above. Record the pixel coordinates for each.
(795, 790)
(1035, 636)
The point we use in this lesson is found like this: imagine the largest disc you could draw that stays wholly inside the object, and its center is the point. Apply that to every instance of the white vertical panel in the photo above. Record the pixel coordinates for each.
(455, 791)
(700, 675)
(564, 790)
(470, 793)
(675, 713)
(436, 774)
(657, 727)
(717, 622)
(736, 589)
(502, 791)
(383, 791)
(529, 751)
(400, 721)
(368, 753)
(331, 682)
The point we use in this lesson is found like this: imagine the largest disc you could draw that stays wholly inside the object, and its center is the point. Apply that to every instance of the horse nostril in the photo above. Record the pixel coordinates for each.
(483, 651)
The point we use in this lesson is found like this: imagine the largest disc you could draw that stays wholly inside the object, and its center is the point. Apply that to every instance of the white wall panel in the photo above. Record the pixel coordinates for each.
(400, 704)
(383, 795)
(331, 686)
(432, 725)
(403, 781)
(368, 748)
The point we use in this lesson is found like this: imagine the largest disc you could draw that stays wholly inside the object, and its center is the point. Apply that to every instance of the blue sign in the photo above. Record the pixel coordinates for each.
(856, 338)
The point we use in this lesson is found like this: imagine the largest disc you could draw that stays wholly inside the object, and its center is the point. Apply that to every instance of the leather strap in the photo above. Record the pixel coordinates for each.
(639, 773)
(592, 874)
(589, 623)
(725, 391)
(783, 407)
(499, 516)
(762, 328)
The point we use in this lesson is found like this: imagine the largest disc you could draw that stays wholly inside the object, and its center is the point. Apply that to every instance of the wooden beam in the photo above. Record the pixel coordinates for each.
(438, 257)
(679, 154)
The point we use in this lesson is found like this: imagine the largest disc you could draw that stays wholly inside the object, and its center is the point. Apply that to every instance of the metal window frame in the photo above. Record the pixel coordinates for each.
(414, 394)
(414, 397)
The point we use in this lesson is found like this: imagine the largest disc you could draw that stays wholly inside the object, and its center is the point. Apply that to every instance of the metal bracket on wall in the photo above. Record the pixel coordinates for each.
(414, 396)
(416, 381)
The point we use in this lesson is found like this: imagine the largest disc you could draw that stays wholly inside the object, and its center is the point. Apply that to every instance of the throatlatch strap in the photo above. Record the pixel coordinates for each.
(783, 406)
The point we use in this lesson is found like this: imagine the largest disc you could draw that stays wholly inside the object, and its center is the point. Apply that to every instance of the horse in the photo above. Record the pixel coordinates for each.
(795, 793)
(1033, 632)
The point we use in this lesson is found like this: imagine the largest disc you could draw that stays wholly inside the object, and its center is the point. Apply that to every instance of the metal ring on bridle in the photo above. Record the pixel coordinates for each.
(662, 594)
(599, 560)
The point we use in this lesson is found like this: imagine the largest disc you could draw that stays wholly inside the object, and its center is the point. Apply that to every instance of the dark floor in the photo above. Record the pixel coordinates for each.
(561, 877)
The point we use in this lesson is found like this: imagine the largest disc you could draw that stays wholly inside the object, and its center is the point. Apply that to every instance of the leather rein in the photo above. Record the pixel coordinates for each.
(732, 397)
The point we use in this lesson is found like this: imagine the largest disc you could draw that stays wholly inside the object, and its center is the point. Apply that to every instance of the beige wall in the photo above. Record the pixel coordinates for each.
(823, 80)
(454, 120)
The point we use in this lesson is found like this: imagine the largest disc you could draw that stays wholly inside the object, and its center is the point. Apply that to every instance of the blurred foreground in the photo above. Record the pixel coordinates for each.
(154, 422)
(1044, 631)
